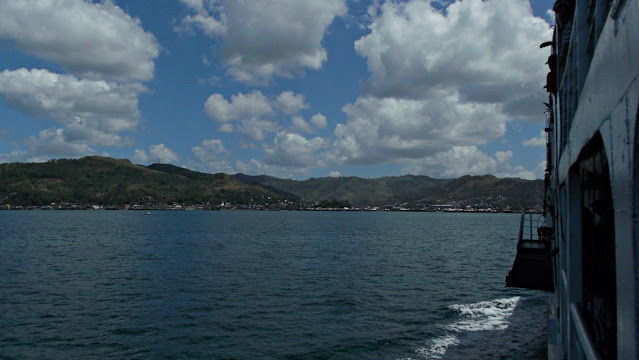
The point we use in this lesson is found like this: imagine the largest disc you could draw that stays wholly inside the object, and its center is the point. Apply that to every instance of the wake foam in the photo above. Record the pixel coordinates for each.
(490, 315)
(484, 315)
(437, 347)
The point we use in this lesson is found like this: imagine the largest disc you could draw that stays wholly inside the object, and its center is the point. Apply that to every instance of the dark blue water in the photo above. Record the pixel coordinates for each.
(262, 285)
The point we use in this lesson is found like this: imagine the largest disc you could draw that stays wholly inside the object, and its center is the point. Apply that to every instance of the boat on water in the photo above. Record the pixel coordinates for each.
(586, 253)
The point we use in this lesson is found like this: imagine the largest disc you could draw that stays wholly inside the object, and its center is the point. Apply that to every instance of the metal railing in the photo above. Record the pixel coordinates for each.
(528, 232)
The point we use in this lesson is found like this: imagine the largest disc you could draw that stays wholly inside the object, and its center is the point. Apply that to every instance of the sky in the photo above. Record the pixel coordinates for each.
(288, 88)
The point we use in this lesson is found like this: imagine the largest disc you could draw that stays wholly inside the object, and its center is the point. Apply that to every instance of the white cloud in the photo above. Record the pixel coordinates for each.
(241, 107)
(300, 124)
(94, 40)
(40, 92)
(208, 17)
(443, 79)
(469, 160)
(381, 130)
(105, 52)
(482, 48)
(14, 156)
(290, 103)
(294, 150)
(459, 161)
(251, 114)
(157, 153)
(227, 128)
(551, 16)
(82, 132)
(540, 170)
(536, 141)
(319, 121)
(162, 154)
(211, 156)
(51, 143)
(209, 25)
(209, 147)
(140, 156)
(526, 175)
(262, 39)
(94, 112)
(335, 173)
(258, 167)
(256, 129)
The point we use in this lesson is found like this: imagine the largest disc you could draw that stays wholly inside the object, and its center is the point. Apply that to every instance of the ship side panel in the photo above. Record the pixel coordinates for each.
(608, 103)
(613, 76)
(621, 142)
(635, 216)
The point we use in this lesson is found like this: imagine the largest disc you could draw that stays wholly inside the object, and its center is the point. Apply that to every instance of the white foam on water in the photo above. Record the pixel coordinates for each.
(437, 347)
(484, 315)
(480, 316)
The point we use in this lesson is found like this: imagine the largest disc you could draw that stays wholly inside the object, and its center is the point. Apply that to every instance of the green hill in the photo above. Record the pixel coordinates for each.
(358, 191)
(488, 190)
(467, 190)
(108, 181)
(102, 180)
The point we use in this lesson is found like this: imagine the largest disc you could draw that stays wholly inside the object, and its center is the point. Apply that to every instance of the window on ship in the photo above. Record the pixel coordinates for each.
(598, 250)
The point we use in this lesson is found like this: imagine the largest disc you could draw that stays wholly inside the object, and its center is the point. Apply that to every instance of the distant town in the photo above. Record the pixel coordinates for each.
(280, 205)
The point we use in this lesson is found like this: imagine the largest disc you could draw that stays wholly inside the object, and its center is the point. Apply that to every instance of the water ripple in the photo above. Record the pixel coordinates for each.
(251, 285)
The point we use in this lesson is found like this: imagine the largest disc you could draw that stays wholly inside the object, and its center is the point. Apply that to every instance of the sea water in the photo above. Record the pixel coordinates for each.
(263, 285)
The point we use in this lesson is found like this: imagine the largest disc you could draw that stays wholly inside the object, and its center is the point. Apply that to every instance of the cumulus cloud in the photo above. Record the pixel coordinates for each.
(335, 173)
(82, 131)
(319, 121)
(380, 130)
(140, 156)
(14, 156)
(157, 153)
(459, 161)
(105, 53)
(51, 143)
(262, 39)
(93, 111)
(162, 154)
(259, 167)
(207, 17)
(294, 150)
(301, 124)
(536, 141)
(540, 170)
(525, 174)
(212, 156)
(256, 129)
(251, 114)
(208, 148)
(479, 47)
(92, 40)
(40, 92)
(290, 103)
(443, 80)
(250, 106)
(469, 160)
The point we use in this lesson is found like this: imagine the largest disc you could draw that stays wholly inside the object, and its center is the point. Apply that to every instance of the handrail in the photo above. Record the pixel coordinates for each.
(582, 333)
(526, 228)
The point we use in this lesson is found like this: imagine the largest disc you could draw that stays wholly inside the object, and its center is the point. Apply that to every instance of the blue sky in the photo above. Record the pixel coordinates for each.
(289, 88)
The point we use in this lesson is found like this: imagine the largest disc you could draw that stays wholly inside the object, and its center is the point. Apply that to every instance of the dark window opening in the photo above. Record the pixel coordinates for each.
(598, 250)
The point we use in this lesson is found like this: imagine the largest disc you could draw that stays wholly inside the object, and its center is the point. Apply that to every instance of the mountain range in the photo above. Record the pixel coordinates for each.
(103, 180)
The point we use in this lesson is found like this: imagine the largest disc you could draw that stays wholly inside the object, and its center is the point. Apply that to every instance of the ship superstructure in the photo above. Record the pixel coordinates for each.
(592, 180)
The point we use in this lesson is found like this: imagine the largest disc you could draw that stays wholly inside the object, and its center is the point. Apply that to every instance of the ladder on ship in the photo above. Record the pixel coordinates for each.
(532, 268)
